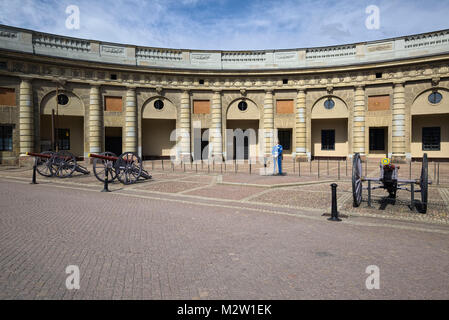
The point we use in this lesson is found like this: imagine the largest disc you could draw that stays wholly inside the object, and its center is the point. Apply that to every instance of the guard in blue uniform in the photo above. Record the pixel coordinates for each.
(277, 158)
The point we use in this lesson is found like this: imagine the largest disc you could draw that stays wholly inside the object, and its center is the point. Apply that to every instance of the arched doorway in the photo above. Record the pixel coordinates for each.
(68, 122)
(329, 128)
(242, 126)
(158, 123)
(429, 123)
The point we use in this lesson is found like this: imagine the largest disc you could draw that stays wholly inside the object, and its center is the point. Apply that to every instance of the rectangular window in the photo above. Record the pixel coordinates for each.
(63, 139)
(327, 139)
(201, 106)
(5, 138)
(379, 103)
(284, 106)
(113, 104)
(285, 138)
(7, 97)
(431, 139)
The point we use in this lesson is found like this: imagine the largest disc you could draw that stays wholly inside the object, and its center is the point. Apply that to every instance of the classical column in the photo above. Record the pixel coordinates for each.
(131, 121)
(358, 131)
(268, 122)
(300, 128)
(398, 126)
(26, 117)
(215, 131)
(95, 120)
(184, 127)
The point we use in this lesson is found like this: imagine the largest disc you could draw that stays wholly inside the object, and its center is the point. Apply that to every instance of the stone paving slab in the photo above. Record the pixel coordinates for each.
(130, 247)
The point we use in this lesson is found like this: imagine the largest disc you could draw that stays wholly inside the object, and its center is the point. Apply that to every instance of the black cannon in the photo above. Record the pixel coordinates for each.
(127, 167)
(390, 181)
(60, 164)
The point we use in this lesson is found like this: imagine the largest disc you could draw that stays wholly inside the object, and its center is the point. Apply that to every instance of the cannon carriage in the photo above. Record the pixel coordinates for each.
(389, 180)
(60, 164)
(127, 168)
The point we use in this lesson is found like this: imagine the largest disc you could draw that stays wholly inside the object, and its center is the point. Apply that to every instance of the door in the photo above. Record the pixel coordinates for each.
(377, 140)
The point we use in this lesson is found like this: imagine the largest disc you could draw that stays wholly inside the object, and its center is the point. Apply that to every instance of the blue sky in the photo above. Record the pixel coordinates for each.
(228, 24)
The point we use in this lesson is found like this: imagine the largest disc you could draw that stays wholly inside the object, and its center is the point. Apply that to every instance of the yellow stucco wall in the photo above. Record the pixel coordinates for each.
(156, 137)
(341, 137)
(74, 124)
(418, 122)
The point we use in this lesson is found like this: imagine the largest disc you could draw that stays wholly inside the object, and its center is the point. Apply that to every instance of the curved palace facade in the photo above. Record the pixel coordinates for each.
(387, 98)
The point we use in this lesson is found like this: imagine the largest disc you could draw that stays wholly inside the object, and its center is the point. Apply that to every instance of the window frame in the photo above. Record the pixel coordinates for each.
(331, 138)
(4, 136)
(61, 145)
(430, 146)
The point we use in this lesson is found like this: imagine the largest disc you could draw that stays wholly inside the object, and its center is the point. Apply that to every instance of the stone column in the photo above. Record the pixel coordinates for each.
(95, 120)
(215, 131)
(184, 127)
(131, 120)
(358, 130)
(268, 122)
(300, 128)
(398, 126)
(26, 117)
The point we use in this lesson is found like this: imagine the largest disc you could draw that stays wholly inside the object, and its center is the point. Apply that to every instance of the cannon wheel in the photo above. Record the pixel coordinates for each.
(43, 165)
(128, 168)
(357, 180)
(100, 165)
(63, 164)
(424, 183)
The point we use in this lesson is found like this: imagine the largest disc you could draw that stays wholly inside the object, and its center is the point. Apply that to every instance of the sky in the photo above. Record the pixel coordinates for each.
(228, 24)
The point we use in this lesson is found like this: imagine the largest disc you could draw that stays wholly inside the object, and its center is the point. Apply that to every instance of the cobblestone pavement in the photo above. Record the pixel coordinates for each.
(183, 236)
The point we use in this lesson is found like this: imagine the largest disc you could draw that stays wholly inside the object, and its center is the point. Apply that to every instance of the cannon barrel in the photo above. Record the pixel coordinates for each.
(99, 156)
(40, 155)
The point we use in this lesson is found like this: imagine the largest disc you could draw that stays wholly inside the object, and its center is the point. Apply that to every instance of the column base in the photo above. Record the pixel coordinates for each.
(398, 158)
(302, 158)
(26, 161)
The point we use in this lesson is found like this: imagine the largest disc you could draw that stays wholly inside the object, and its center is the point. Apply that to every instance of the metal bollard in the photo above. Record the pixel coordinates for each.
(33, 180)
(369, 193)
(318, 168)
(438, 174)
(299, 168)
(106, 180)
(334, 213)
(338, 169)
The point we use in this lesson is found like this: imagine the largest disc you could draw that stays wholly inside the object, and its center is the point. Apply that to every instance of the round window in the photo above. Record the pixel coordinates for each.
(329, 104)
(63, 99)
(243, 106)
(158, 104)
(435, 98)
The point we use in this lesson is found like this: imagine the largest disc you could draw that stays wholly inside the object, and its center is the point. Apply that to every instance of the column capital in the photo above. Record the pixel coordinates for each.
(131, 88)
(269, 91)
(218, 91)
(360, 86)
(301, 90)
(186, 91)
(26, 79)
(398, 84)
(95, 85)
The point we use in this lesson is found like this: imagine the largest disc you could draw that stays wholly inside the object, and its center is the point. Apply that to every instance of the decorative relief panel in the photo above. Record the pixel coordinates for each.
(112, 50)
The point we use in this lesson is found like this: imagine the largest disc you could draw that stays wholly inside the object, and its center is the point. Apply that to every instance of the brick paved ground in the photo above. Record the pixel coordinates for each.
(184, 236)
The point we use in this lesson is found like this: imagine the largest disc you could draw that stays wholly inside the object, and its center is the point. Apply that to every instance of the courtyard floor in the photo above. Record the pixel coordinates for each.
(199, 232)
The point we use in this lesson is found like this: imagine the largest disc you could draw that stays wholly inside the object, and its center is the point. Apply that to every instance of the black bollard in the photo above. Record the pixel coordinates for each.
(33, 180)
(334, 213)
(106, 181)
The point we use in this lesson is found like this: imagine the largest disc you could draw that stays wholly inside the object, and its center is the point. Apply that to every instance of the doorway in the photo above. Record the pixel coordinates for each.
(113, 140)
(377, 141)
